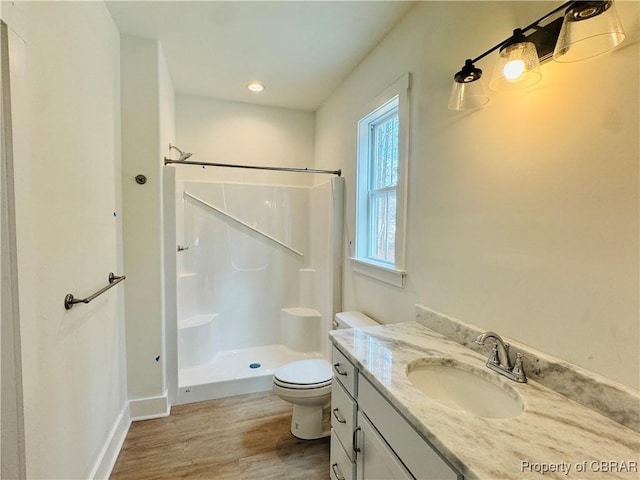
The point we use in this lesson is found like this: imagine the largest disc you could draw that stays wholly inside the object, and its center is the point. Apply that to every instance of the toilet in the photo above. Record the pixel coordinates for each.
(307, 384)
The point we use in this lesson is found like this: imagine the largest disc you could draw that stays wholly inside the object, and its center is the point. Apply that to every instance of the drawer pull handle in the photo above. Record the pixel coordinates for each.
(354, 440)
(337, 472)
(339, 418)
(339, 371)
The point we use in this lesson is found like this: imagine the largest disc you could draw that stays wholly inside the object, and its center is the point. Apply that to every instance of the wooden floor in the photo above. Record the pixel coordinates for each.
(243, 437)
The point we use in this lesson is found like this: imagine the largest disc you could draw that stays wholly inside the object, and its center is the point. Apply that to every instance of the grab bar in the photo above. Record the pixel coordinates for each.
(70, 301)
(246, 225)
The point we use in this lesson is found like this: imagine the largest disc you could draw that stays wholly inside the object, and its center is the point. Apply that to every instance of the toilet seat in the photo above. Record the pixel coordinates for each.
(296, 386)
(304, 375)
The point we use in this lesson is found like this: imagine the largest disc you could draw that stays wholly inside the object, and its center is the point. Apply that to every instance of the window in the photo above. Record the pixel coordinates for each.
(383, 180)
(381, 186)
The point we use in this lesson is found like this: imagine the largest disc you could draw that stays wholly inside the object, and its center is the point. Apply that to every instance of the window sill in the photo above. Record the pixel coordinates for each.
(379, 272)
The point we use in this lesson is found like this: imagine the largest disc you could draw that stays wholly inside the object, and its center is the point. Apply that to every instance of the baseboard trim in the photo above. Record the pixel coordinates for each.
(149, 408)
(133, 410)
(111, 449)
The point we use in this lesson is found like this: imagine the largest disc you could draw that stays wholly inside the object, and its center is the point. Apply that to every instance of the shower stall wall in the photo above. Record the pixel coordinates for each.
(257, 282)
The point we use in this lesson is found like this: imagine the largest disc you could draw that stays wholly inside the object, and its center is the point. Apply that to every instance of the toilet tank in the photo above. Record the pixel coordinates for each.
(352, 320)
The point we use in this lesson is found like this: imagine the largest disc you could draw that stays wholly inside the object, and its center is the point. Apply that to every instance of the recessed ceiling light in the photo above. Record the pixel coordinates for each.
(255, 87)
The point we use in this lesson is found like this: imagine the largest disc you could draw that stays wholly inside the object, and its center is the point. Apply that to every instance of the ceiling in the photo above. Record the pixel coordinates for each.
(300, 50)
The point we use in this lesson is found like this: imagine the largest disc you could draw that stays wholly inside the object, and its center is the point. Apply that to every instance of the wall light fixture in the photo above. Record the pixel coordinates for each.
(587, 29)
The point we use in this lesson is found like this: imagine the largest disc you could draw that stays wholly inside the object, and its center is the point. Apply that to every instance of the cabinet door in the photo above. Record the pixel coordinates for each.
(374, 459)
(420, 458)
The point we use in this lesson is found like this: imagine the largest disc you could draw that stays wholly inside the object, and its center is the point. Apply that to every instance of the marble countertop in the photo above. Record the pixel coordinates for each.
(553, 433)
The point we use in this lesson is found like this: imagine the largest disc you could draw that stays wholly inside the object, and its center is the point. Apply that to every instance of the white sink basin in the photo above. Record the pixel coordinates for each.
(465, 388)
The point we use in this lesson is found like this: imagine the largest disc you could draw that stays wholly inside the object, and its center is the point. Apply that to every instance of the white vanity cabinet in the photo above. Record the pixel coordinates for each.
(370, 439)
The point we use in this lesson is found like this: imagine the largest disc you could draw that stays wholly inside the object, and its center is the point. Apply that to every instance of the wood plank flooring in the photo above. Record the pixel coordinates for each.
(243, 437)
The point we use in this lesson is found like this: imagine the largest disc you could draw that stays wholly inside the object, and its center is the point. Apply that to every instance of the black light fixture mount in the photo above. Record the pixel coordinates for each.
(469, 73)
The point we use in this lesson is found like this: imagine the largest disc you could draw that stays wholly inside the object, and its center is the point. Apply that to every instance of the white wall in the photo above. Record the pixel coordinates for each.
(522, 216)
(67, 191)
(12, 69)
(147, 130)
(220, 131)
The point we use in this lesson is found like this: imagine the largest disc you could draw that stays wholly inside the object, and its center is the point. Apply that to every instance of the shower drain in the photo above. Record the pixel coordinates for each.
(254, 365)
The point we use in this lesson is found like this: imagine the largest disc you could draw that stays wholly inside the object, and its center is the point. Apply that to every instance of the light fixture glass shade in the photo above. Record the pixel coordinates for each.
(589, 29)
(518, 67)
(467, 91)
(466, 96)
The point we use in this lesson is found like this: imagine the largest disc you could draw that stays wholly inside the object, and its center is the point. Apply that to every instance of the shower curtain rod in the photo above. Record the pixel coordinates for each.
(255, 167)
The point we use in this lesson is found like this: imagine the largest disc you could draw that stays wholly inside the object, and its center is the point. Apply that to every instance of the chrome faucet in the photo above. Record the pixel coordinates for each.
(499, 361)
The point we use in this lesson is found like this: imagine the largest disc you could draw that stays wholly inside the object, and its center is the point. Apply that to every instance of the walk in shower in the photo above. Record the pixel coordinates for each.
(257, 281)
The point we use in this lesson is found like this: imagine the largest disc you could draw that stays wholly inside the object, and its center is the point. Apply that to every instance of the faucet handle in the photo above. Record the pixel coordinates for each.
(518, 369)
(494, 358)
(507, 361)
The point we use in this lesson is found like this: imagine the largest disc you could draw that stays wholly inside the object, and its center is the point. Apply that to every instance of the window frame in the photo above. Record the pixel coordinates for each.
(394, 272)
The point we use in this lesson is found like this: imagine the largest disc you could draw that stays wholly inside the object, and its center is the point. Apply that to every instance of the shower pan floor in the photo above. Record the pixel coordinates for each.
(236, 372)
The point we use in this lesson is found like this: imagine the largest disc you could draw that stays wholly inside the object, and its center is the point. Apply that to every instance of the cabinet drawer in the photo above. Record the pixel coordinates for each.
(419, 457)
(341, 467)
(343, 414)
(344, 371)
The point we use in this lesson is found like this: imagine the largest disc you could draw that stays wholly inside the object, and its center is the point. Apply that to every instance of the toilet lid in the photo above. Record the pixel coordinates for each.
(305, 372)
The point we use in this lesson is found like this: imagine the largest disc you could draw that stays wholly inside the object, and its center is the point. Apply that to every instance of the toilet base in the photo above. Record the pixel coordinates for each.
(306, 422)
